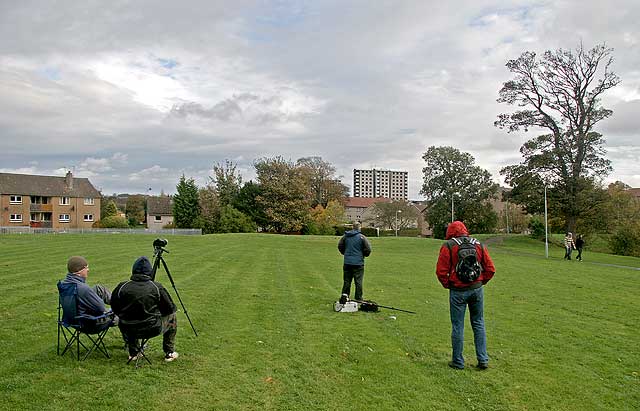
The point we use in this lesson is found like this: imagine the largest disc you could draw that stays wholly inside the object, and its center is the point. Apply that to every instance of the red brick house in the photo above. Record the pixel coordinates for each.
(48, 201)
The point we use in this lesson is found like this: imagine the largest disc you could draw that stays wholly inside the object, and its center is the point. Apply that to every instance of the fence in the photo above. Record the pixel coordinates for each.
(151, 231)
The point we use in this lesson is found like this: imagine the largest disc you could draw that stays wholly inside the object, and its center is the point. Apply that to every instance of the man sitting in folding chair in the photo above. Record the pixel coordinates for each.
(82, 311)
(145, 310)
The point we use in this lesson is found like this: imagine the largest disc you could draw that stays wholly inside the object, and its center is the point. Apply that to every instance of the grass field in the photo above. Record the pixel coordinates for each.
(562, 335)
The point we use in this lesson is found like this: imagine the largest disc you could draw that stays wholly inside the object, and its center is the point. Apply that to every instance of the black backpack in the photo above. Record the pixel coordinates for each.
(468, 268)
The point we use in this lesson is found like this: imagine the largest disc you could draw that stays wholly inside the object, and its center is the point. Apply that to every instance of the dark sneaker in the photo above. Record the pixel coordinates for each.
(170, 356)
(455, 367)
(344, 298)
(482, 365)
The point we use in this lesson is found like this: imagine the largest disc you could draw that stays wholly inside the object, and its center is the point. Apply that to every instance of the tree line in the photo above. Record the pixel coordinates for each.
(305, 196)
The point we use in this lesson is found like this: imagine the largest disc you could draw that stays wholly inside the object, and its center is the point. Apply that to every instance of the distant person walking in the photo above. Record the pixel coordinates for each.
(579, 247)
(464, 266)
(569, 245)
(355, 247)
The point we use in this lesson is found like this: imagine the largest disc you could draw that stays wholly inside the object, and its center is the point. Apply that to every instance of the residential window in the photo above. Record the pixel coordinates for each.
(15, 200)
(64, 218)
(39, 200)
(64, 201)
(88, 217)
(158, 218)
(88, 201)
(15, 218)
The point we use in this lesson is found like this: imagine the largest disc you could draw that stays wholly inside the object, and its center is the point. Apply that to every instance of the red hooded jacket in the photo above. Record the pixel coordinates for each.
(448, 259)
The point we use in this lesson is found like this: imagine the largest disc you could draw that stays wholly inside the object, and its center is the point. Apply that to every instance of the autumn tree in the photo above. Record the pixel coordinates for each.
(561, 94)
(324, 220)
(209, 209)
(283, 193)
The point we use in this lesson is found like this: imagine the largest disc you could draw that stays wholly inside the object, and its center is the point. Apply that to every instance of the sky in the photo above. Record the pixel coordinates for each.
(134, 94)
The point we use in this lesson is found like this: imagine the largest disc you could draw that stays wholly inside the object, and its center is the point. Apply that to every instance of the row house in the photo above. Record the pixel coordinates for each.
(48, 201)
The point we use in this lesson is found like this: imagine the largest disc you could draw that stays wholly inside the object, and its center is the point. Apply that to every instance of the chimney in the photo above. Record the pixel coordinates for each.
(68, 180)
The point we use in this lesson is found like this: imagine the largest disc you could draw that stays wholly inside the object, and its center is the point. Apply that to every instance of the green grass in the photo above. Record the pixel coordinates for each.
(561, 335)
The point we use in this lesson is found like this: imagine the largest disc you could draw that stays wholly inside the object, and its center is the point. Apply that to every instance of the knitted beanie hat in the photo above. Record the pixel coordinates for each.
(76, 263)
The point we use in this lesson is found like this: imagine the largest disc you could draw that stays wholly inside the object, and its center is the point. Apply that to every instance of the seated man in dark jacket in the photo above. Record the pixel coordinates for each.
(145, 308)
(90, 300)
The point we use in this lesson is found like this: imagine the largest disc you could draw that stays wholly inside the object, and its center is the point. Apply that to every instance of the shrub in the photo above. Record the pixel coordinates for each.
(626, 240)
(234, 221)
(369, 231)
(536, 226)
(114, 221)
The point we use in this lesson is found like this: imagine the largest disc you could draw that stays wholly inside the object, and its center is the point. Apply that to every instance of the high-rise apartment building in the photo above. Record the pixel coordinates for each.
(381, 183)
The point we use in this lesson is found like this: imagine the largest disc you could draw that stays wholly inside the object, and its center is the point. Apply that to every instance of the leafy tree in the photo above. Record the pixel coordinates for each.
(450, 175)
(247, 203)
(384, 214)
(227, 182)
(560, 93)
(234, 221)
(209, 209)
(110, 209)
(283, 193)
(186, 210)
(136, 205)
(620, 209)
(321, 181)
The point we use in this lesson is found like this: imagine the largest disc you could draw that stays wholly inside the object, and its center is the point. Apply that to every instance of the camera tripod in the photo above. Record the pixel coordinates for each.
(157, 255)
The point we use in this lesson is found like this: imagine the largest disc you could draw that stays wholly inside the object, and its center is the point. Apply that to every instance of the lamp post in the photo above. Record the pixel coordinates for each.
(546, 230)
(452, 196)
(506, 214)
(397, 211)
(452, 207)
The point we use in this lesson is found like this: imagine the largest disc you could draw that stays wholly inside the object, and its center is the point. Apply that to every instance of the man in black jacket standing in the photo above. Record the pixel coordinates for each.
(355, 247)
(145, 308)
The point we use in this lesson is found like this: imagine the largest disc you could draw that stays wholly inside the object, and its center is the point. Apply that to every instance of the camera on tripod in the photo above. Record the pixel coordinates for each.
(158, 250)
(160, 242)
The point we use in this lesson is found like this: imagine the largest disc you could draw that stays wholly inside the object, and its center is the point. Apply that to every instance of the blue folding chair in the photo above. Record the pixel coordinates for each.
(72, 326)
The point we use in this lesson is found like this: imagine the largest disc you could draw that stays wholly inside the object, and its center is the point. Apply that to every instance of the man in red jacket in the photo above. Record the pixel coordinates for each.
(465, 290)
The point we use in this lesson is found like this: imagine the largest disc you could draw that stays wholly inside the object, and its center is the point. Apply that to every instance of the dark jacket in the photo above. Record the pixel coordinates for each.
(355, 247)
(448, 259)
(89, 303)
(140, 303)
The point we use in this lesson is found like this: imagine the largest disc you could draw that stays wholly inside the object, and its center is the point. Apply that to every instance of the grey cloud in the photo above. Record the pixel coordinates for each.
(359, 83)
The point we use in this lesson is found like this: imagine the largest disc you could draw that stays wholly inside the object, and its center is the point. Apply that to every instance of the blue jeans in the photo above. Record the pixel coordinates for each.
(458, 301)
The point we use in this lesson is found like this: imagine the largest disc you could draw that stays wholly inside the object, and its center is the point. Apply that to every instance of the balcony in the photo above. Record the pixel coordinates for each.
(40, 224)
(41, 208)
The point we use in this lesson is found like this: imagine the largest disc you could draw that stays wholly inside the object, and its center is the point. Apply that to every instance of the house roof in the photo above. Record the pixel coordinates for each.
(160, 205)
(49, 186)
(363, 202)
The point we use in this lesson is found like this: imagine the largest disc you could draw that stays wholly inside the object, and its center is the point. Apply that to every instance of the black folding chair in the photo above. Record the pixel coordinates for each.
(139, 340)
(72, 327)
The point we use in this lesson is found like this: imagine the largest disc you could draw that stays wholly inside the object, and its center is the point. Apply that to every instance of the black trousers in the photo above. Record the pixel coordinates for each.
(355, 273)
